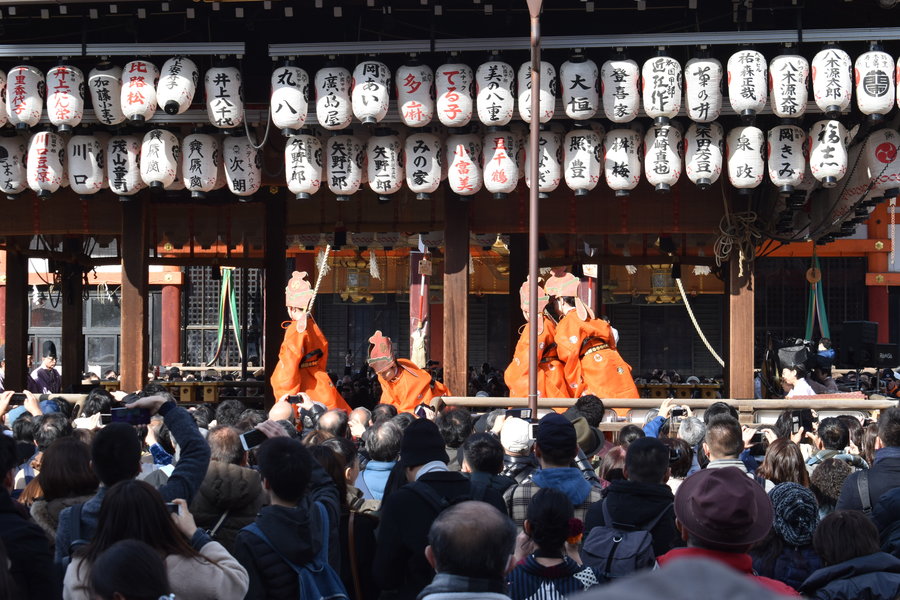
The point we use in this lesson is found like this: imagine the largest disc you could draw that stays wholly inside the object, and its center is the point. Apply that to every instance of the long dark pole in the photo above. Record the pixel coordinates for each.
(534, 9)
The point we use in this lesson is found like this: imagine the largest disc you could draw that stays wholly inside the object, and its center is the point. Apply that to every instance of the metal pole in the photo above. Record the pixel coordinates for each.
(534, 9)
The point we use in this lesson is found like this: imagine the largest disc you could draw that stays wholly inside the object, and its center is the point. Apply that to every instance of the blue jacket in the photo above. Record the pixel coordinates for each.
(873, 577)
(373, 479)
(792, 566)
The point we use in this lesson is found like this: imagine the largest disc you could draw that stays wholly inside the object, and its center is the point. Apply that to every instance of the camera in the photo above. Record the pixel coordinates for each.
(173, 508)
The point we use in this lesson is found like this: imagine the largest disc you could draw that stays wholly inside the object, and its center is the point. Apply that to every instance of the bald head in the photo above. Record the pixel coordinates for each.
(334, 422)
(361, 415)
(473, 539)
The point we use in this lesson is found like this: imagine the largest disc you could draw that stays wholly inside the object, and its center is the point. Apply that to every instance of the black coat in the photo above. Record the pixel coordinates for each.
(873, 577)
(883, 476)
(31, 563)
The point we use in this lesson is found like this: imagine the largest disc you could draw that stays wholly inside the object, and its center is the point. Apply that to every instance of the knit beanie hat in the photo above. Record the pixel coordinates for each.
(796, 513)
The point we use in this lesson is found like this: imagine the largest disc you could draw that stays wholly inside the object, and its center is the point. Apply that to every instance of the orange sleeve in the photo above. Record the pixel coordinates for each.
(286, 376)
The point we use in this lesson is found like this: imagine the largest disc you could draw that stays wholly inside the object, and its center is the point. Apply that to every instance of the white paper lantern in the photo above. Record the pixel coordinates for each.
(549, 163)
(415, 94)
(579, 82)
(881, 164)
(243, 166)
(105, 84)
(344, 162)
(384, 163)
(65, 97)
(423, 158)
(24, 96)
(495, 101)
(703, 89)
(224, 97)
(828, 151)
(703, 153)
(178, 183)
(499, 167)
(4, 116)
(464, 169)
(622, 161)
(303, 164)
(546, 97)
(662, 156)
(86, 164)
(177, 85)
(747, 82)
(290, 97)
(221, 178)
(619, 89)
(745, 157)
(582, 159)
(789, 74)
(832, 80)
(123, 165)
(787, 158)
(662, 81)
(138, 93)
(371, 91)
(160, 153)
(520, 132)
(13, 176)
(453, 86)
(874, 74)
(200, 158)
(333, 104)
(45, 164)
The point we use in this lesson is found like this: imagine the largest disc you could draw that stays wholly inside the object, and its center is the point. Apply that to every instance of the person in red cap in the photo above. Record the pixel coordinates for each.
(403, 384)
(551, 381)
(587, 347)
(304, 351)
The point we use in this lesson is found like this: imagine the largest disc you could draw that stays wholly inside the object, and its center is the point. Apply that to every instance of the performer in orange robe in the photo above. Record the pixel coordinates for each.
(304, 352)
(551, 377)
(586, 345)
(403, 384)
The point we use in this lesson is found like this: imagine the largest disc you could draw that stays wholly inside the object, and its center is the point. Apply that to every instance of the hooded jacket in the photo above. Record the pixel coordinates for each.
(46, 512)
(873, 577)
(232, 488)
(30, 561)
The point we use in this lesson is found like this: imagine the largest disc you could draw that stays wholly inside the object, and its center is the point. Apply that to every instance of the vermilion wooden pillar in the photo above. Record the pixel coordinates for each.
(16, 339)
(456, 294)
(740, 331)
(879, 310)
(135, 344)
(170, 336)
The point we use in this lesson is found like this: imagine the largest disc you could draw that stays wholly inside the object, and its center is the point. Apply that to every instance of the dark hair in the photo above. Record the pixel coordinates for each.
(646, 460)
(229, 411)
(724, 437)
(203, 414)
(132, 569)
(343, 448)
(591, 408)
(286, 464)
(681, 456)
(889, 426)
(844, 535)
(784, 463)
(630, 433)
(98, 400)
(834, 434)
(8, 458)
(48, 428)
(455, 425)
(383, 441)
(404, 420)
(21, 428)
(250, 418)
(383, 412)
(827, 479)
(548, 515)
(116, 453)
(334, 465)
(472, 539)
(853, 426)
(316, 437)
(66, 470)
(613, 464)
(719, 408)
(336, 422)
(867, 447)
(484, 453)
(783, 427)
(225, 445)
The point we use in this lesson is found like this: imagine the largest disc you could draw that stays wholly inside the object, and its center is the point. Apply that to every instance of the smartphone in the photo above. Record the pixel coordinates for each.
(17, 398)
(295, 399)
(421, 412)
(105, 418)
(802, 418)
(533, 430)
(252, 439)
(758, 438)
(520, 413)
(132, 416)
(679, 411)
(172, 507)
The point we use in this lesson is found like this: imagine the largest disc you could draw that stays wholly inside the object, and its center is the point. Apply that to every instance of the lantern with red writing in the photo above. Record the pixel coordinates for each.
(746, 166)
(454, 83)
(619, 89)
(748, 83)
(333, 104)
(874, 73)
(45, 163)
(86, 164)
(495, 100)
(200, 158)
(344, 162)
(371, 91)
(177, 85)
(622, 161)
(832, 79)
(224, 97)
(703, 88)
(546, 96)
(463, 153)
(549, 172)
(423, 158)
(243, 166)
(123, 165)
(662, 156)
(105, 85)
(13, 175)
(25, 96)
(582, 156)
(138, 92)
(828, 151)
(789, 76)
(290, 97)
(787, 157)
(662, 80)
(579, 82)
(384, 163)
(303, 164)
(160, 152)
(4, 116)
(501, 171)
(704, 145)
(415, 94)
(881, 162)
(65, 97)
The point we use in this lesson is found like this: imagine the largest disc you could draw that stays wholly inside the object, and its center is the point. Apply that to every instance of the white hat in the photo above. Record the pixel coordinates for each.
(516, 435)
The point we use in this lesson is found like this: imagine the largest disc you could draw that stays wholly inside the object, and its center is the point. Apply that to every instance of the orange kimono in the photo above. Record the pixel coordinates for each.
(551, 376)
(301, 367)
(592, 363)
(412, 386)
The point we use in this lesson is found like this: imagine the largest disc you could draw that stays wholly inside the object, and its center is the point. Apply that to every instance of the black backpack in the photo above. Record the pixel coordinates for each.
(616, 551)
(477, 491)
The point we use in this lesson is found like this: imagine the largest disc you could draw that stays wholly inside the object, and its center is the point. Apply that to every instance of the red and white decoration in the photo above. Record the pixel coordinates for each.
(422, 161)
(86, 164)
(243, 166)
(303, 164)
(345, 158)
(454, 83)
(828, 151)
(832, 80)
(24, 96)
(704, 145)
(549, 172)
(160, 152)
(464, 164)
(200, 158)
(662, 156)
(415, 94)
(582, 159)
(622, 161)
(703, 89)
(224, 101)
(13, 176)
(501, 171)
(875, 90)
(579, 83)
(333, 104)
(138, 92)
(747, 82)
(746, 167)
(619, 90)
(787, 157)
(290, 97)
(65, 97)
(881, 162)
(45, 165)
(384, 163)
(495, 102)
(123, 165)
(662, 80)
(177, 85)
(546, 96)
(105, 85)
(789, 75)
(371, 91)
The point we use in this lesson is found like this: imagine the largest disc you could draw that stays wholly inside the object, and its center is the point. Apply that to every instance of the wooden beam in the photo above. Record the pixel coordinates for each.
(170, 336)
(739, 331)
(135, 343)
(273, 310)
(72, 340)
(16, 320)
(456, 293)
(842, 247)
(879, 307)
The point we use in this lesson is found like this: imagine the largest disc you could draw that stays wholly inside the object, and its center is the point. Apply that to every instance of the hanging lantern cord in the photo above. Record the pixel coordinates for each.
(247, 127)
(737, 230)
(687, 305)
